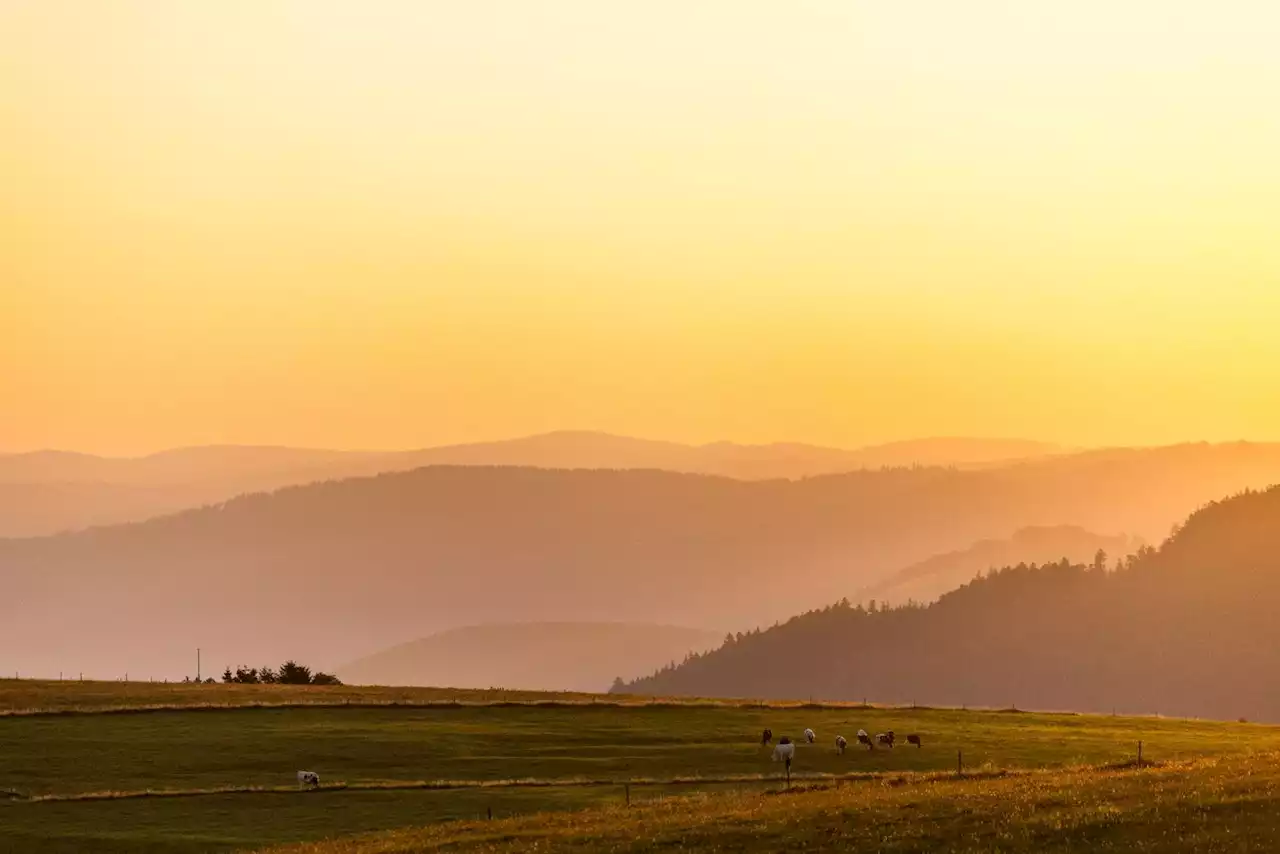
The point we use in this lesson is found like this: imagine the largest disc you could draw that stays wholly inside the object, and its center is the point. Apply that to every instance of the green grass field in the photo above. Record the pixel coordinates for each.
(1211, 806)
(78, 778)
(18, 696)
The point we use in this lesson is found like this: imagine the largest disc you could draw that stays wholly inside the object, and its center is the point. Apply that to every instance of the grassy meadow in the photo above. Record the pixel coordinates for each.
(1211, 806)
(89, 775)
(21, 696)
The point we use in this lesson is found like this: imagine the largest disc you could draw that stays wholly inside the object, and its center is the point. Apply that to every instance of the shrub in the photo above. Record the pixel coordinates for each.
(289, 673)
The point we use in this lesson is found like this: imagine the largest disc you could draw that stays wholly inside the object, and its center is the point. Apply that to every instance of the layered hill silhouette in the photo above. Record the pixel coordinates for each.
(51, 491)
(1188, 630)
(332, 571)
(530, 656)
(925, 581)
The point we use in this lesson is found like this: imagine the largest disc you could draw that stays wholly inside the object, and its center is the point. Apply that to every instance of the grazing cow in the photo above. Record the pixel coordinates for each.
(913, 739)
(785, 751)
(863, 738)
(308, 778)
(886, 738)
(810, 736)
(766, 737)
(841, 744)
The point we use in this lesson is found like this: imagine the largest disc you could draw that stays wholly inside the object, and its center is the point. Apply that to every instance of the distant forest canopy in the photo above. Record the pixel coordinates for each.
(1189, 629)
(331, 572)
(925, 581)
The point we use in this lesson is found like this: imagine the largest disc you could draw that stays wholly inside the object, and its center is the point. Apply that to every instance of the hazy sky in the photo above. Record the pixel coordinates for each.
(393, 224)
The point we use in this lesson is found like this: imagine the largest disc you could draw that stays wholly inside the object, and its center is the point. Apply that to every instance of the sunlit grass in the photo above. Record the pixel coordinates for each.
(1203, 805)
(221, 776)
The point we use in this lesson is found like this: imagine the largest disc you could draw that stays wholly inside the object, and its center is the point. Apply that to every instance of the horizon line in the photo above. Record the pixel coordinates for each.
(1059, 447)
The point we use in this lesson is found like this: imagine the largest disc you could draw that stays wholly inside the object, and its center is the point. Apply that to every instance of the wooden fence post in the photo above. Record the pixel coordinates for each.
(1139, 754)
(628, 789)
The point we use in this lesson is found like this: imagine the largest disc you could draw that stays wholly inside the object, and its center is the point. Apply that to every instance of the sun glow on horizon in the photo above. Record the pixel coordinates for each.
(397, 224)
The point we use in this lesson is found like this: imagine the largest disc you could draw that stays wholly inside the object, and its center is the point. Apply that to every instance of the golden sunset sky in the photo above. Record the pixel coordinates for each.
(393, 224)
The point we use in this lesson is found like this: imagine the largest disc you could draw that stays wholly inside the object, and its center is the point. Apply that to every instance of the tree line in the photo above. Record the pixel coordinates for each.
(289, 673)
(1188, 629)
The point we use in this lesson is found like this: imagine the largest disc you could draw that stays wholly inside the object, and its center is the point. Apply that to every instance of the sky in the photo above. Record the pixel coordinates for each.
(403, 223)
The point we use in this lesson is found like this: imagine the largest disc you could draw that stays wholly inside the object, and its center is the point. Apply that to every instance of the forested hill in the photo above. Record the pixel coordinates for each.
(925, 581)
(383, 560)
(50, 491)
(1188, 630)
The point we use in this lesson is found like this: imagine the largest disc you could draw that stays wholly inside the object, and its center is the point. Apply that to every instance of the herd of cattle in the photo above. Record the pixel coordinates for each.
(785, 750)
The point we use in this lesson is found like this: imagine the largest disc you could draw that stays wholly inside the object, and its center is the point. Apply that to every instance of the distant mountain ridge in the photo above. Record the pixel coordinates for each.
(1186, 630)
(561, 656)
(45, 492)
(562, 449)
(328, 571)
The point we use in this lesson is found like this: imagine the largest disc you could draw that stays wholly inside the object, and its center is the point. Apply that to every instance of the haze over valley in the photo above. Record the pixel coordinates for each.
(1186, 630)
(585, 657)
(327, 330)
(573, 426)
(376, 562)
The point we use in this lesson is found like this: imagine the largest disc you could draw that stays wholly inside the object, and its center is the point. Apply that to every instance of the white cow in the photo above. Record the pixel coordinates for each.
(784, 751)
(810, 736)
(308, 778)
(841, 744)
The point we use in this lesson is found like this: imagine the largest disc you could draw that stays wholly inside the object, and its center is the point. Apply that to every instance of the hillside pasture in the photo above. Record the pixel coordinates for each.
(219, 777)
(1210, 805)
